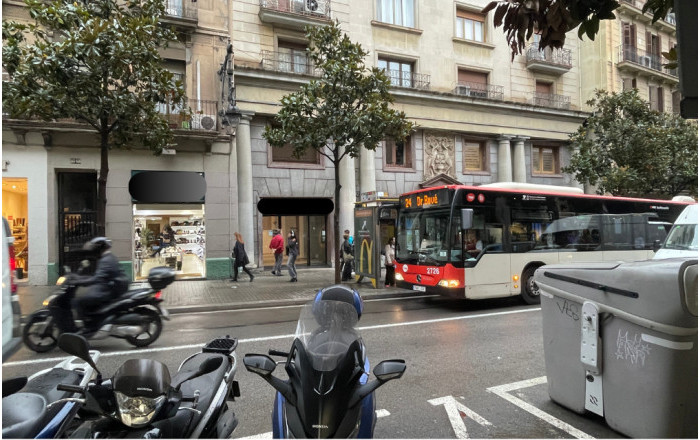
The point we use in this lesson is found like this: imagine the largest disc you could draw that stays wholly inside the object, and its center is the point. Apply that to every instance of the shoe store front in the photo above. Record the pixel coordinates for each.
(308, 218)
(169, 234)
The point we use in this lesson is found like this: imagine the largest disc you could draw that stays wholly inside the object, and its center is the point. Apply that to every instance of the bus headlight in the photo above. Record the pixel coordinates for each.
(448, 283)
(398, 277)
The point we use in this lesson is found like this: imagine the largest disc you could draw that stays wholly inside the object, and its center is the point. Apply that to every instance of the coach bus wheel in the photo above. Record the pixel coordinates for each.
(529, 290)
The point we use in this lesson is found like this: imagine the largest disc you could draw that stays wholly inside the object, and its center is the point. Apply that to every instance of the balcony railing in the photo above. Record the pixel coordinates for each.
(643, 58)
(202, 117)
(556, 57)
(181, 9)
(551, 100)
(478, 90)
(639, 4)
(298, 63)
(310, 8)
(408, 80)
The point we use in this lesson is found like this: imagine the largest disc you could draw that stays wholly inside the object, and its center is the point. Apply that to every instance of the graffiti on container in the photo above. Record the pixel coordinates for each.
(569, 309)
(631, 349)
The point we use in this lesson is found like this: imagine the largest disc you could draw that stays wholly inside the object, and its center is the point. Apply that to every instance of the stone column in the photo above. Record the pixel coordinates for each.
(244, 167)
(519, 164)
(505, 166)
(347, 196)
(368, 172)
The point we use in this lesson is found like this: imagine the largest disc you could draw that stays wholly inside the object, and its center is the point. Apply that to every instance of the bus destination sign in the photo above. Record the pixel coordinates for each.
(438, 197)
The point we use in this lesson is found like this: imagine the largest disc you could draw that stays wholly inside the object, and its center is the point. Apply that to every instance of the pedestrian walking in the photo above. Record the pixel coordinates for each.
(389, 260)
(277, 246)
(293, 253)
(240, 258)
(346, 256)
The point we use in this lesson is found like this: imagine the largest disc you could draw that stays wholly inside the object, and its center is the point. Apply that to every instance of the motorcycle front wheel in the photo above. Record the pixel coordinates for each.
(150, 328)
(40, 336)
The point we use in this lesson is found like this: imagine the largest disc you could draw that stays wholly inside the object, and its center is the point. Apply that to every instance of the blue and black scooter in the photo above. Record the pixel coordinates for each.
(328, 394)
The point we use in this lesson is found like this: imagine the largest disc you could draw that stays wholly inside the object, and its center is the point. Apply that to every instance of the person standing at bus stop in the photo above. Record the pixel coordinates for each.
(390, 255)
(277, 246)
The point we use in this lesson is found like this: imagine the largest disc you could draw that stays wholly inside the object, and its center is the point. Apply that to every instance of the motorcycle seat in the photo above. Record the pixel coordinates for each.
(207, 385)
(45, 385)
(22, 415)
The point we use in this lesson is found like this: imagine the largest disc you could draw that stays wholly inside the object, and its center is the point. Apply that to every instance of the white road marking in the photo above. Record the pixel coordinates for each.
(453, 408)
(301, 305)
(264, 435)
(504, 390)
(272, 338)
(382, 413)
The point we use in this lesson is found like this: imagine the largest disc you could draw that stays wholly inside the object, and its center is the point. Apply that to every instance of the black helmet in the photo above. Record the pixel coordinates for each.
(98, 245)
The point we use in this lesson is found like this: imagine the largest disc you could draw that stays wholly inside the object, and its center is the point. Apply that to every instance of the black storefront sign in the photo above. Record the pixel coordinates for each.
(167, 187)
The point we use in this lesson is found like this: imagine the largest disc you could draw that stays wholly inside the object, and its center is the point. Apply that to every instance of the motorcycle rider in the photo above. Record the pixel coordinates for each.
(107, 283)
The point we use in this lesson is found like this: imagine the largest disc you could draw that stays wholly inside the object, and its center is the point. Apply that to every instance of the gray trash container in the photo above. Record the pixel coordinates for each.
(621, 341)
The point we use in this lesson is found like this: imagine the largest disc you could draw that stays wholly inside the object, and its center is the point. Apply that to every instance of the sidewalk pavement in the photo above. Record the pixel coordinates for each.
(266, 290)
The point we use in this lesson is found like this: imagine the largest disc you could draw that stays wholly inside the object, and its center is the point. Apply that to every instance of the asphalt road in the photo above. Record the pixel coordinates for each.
(474, 369)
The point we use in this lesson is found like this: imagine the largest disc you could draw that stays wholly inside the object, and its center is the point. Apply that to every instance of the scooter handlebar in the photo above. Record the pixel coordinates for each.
(70, 388)
(278, 353)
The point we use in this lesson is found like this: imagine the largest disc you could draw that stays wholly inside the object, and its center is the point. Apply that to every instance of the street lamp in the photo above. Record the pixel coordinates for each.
(232, 115)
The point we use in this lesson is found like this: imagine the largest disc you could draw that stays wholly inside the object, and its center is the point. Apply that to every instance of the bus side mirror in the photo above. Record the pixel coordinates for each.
(467, 218)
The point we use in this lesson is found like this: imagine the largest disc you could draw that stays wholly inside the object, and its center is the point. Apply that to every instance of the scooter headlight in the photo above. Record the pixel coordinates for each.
(60, 281)
(137, 411)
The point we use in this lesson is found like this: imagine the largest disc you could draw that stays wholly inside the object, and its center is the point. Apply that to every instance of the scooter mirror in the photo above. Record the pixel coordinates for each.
(78, 346)
(391, 369)
(259, 364)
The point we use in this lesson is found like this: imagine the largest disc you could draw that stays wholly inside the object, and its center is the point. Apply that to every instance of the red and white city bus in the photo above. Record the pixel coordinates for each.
(486, 241)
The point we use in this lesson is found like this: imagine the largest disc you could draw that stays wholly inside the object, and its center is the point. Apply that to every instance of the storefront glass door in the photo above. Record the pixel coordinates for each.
(310, 232)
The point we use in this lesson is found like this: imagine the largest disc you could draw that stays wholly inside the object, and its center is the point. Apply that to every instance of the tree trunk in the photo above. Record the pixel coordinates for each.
(102, 182)
(336, 219)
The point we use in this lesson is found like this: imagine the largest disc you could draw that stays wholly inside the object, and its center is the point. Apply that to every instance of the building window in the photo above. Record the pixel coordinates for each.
(293, 58)
(398, 12)
(398, 153)
(629, 32)
(656, 98)
(470, 26)
(400, 73)
(545, 160)
(474, 153)
(676, 102)
(629, 84)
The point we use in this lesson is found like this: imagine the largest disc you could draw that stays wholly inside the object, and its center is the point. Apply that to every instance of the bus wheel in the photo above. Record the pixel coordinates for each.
(529, 290)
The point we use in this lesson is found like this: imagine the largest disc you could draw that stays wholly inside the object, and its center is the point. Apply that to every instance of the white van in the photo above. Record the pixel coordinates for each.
(682, 239)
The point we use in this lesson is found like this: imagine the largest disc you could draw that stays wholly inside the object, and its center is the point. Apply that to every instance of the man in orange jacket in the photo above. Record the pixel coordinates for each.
(277, 245)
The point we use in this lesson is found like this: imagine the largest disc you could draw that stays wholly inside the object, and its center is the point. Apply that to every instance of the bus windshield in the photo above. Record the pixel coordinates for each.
(423, 237)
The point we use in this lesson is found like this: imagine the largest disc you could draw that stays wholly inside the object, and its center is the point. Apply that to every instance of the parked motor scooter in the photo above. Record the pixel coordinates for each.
(141, 400)
(134, 316)
(33, 407)
(328, 394)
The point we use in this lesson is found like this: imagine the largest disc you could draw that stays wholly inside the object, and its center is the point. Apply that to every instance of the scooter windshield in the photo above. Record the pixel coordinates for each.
(326, 329)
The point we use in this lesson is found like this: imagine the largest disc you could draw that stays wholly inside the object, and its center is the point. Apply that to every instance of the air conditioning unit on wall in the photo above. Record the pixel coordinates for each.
(462, 90)
(315, 6)
(203, 122)
(645, 61)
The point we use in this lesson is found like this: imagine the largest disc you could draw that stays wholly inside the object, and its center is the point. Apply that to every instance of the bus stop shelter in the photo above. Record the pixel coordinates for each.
(375, 223)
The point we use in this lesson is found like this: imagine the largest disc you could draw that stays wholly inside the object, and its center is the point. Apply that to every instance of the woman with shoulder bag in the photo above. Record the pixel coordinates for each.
(390, 255)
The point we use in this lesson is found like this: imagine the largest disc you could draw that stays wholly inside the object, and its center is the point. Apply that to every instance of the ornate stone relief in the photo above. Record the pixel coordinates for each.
(439, 150)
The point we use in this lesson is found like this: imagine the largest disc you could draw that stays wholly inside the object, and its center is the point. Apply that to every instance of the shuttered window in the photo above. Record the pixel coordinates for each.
(629, 32)
(469, 76)
(398, 153)
(545, 160)
(470, 26)
(653, 98)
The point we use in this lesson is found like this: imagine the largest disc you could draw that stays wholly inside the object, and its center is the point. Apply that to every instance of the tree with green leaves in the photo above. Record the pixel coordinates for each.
(345, 110)
(626, 149)
(554, 18)
(95, 61)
